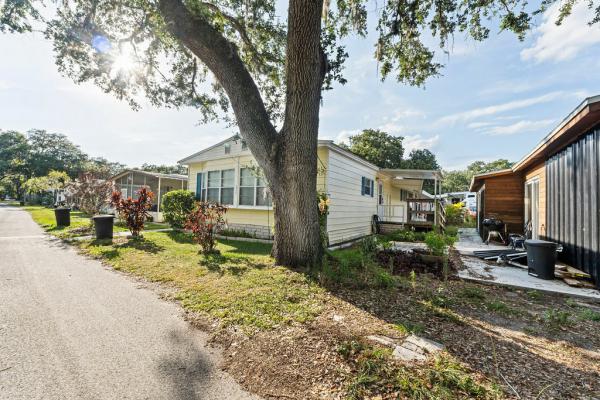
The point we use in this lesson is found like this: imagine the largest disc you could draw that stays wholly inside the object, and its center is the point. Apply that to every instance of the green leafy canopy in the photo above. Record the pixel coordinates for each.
(124, 48)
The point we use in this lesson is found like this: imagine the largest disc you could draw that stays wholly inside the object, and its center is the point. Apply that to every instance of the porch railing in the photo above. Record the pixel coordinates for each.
(395, 214)
(426, 213)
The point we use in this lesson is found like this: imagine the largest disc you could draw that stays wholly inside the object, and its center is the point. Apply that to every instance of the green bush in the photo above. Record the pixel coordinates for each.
(452, 231)
(406, 235)
(455, 214)
(176, 206)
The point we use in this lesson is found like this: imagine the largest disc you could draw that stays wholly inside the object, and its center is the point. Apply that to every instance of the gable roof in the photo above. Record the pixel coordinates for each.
(184, 160)
(478, 179)
(418, 174)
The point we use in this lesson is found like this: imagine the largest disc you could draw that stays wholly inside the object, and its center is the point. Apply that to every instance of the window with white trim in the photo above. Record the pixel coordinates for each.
(220, 186)
(253, 190)
(227, 148)
(380, 193)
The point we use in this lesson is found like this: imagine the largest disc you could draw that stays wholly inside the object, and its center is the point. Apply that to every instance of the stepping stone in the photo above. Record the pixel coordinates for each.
(415, 348)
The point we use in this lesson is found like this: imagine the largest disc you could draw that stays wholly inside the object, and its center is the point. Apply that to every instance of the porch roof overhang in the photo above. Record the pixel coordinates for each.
(416, 174)
(149, 173)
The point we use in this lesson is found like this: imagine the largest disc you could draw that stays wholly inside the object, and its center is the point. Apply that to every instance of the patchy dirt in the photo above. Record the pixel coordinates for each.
(513, 344)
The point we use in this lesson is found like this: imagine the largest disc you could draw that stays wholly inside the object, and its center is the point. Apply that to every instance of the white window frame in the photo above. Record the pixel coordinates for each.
(220, 187)
(255, 191)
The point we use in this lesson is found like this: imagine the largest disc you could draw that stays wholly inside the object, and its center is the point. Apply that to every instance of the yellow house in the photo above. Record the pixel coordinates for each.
(358, 191)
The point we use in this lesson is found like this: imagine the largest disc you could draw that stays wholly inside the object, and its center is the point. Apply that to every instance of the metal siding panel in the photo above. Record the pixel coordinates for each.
(573, 202)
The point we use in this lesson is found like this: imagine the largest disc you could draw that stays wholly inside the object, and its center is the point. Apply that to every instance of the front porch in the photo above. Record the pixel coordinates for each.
(402, 201)
(129, 182)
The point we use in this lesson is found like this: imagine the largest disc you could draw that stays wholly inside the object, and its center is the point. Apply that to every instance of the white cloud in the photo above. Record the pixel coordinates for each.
(499, 108)
(479, 125)
(519, 127)
(414, 142)
(563, 42)
(343, 136)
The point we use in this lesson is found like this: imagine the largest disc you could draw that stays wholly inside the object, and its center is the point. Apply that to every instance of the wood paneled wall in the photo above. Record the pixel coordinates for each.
(504, 200)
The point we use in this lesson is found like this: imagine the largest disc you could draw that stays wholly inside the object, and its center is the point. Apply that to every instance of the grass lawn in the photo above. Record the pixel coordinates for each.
(294, 335)
(239, 287)
(79, 222)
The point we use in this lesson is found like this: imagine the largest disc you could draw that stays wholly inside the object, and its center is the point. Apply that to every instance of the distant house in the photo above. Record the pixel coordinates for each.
(358, 190)
(129, 181)
(555, 189)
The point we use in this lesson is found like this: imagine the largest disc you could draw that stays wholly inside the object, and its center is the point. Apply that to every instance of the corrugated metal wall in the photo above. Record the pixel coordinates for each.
(572, 196)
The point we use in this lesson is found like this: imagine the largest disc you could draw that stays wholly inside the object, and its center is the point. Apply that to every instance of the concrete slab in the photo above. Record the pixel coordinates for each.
(470, 241)
(481, 271)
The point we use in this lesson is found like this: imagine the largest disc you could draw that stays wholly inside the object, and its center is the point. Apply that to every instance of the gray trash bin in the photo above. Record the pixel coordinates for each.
(541, 258)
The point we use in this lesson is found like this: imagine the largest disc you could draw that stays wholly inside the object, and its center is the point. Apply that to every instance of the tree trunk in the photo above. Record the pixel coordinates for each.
(288, 157)
(294, 185)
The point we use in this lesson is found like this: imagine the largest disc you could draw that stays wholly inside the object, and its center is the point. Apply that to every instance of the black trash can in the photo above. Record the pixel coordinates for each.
(541, 258)
(63, 216)
(103, 225)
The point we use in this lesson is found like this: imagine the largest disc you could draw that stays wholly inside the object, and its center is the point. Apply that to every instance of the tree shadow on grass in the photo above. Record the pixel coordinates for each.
(142, 245)
(180, 237)
(222, 264)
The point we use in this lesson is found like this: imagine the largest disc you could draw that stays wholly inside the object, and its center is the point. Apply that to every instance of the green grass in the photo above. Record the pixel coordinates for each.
(377, 375)
(587, 314)
(79, 221)
(240, 286)
(557, 319)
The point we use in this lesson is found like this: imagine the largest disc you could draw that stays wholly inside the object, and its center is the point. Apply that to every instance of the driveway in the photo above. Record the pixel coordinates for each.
(72, 329)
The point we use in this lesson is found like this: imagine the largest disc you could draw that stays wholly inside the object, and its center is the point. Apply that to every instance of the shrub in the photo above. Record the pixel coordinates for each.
(133, 212)
(406, 235)
(323, 202)
(176, 206)
(89, 193)
(455, 214)
(206, 220)
(368, 245)
(452, 231)
(436, 242)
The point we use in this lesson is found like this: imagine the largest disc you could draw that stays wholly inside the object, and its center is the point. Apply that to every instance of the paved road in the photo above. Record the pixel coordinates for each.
(73, 329)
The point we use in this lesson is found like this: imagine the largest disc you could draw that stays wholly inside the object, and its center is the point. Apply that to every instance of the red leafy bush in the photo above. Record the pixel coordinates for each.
(133, 212)
(206, 220)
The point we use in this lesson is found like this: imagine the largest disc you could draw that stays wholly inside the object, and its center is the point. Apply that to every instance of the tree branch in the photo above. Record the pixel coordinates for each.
(222, 59)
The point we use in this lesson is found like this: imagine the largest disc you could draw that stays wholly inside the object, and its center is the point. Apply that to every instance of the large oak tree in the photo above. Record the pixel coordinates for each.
(238, 59)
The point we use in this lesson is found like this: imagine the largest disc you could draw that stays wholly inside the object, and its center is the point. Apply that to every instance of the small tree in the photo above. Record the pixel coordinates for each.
(89, 194)
(205, 221)
(133, 212)
(176, 206)
(45, 187)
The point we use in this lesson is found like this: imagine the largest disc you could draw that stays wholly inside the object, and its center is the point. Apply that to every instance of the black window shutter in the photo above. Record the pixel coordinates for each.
(372, 187)
(362, 185)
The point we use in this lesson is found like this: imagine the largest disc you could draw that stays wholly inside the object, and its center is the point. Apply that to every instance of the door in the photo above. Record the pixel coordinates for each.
(532, 206)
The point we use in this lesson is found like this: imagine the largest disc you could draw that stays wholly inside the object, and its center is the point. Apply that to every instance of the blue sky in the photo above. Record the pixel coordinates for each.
(496, 99)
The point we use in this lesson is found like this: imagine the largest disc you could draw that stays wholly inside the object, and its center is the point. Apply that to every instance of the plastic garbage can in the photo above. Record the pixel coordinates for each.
(63, 216)
(103, 225)
(541, 258)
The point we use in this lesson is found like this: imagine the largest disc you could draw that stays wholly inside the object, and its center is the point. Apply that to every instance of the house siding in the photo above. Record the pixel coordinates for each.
(255, 221)
(350, 212)
(573, 216)
(503, 199)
